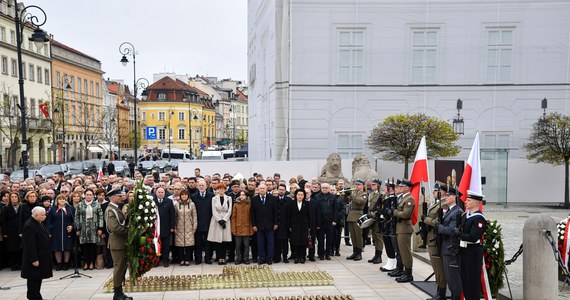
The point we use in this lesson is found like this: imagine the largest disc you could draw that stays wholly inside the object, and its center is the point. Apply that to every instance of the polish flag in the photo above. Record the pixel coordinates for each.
(419, 174)
(471, 180)
(44, 109)
(100, 174)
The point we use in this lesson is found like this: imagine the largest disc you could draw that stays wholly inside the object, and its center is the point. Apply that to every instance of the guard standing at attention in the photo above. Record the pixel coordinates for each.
(404, 228)
(357, 200)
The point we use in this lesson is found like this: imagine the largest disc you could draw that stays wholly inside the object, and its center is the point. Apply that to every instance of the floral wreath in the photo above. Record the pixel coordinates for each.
(143, 247)
(563, 242)
(494, 256)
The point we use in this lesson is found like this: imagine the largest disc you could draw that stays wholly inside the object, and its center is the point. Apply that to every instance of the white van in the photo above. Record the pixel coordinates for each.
(175, 153)
(212, 155)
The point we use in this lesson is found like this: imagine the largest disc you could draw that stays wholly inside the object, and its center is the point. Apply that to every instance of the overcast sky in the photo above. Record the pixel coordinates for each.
(206, 37)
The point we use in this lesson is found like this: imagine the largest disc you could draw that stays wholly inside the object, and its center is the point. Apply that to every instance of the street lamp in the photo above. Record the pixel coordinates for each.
(544, 106)
(170, 114)
(125, 49)
(458, 125)
(39, 37)
(65, 85)
(190, 110)
(233, 120)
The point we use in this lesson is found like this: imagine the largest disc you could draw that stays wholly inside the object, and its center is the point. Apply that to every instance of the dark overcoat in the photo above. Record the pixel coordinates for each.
(167, 215)
(299, 223)
(10, 228)
(36, 245)
(264, 216)
(57, 222)
(203, 210)
(282, 231)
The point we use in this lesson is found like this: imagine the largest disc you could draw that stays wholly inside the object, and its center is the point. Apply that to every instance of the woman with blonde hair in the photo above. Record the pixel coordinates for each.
(220, 233)
(60, 227)
(186, 225)
(75, 199)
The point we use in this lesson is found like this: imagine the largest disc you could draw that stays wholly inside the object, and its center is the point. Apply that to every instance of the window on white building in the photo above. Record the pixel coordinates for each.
(424, 56)
(2, 33)
(496, 140)
(39, 75)
(14, 68)
(162, 133)
(499, 54)
(181, 133)
(349, 144)
(33, 108)
(97, 90)
(12, 37)
(161, 116)
(23, 70)
(143, 115)
(351, 56)
(32, 72)
(46, 76)
(5, 65)
(181, 116)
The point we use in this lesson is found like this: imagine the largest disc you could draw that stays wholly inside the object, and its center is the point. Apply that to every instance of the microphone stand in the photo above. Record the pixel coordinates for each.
(76, 273)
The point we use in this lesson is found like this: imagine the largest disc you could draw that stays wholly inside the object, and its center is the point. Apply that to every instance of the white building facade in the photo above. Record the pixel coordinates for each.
(323, 75)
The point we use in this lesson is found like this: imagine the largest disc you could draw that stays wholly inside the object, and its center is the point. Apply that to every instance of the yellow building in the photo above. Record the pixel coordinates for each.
(181, 117)
(77, 99)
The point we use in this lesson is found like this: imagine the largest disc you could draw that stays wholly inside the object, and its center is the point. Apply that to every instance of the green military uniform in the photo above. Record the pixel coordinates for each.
(432, 220)
(375, 200)
(116, 221)
(357, 200)
(404, 232)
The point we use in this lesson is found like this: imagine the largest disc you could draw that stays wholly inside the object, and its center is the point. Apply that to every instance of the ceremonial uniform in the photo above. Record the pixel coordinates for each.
(473, 227)
(357, 200)
(116, 225)
(375, 203)
(431, 220)
(450, 264)
(404, 232)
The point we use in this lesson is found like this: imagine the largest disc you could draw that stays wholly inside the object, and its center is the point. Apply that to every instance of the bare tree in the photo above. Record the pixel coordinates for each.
(89, 124)
(110, 130)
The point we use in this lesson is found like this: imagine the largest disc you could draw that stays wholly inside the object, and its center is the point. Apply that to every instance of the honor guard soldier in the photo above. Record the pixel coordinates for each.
(473, 225)
(432, 220)
(446, 229)
(116, 225)
(404, 228)
(388, 229)
(357, 200)
(376, 207)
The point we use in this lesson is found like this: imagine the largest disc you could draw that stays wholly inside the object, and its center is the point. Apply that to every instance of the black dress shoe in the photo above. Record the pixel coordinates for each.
(269, 262)
(277, 260)
(321, 257)
(302, 260)
(286, 261)
(311, 258)
(405, 278)
(197, 262)
(260, 262)
(396, 273)
(337, 253)
(246, 261)
(208, 261)
(297, 261)
(327, 257)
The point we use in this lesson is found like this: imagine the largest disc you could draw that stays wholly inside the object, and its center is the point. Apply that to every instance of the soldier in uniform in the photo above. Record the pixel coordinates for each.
(473, 225)
(376, 208)
(446, 230)
(116, 225)
(432, 219)
(404, 228)
(388, 229)
(357, 200)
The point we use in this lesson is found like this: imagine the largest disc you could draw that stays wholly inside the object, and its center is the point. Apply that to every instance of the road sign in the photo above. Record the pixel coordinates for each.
(151, 133)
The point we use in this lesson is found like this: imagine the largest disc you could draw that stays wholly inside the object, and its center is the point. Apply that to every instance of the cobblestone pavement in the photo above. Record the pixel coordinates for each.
(511, 219)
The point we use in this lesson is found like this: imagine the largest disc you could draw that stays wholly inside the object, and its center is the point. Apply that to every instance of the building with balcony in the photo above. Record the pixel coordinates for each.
(36, 64)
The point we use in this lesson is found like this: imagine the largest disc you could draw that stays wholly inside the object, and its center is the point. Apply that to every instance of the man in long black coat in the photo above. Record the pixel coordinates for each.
(315, 221)
(167, 223)
(264, 222)
(36, 258)
(203, 201)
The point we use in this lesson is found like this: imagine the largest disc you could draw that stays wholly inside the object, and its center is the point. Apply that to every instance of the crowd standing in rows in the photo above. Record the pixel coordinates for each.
(206, 215)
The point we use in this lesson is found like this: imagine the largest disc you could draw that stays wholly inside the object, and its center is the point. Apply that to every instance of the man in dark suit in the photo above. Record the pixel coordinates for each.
(329, 217)
(446, 231)
(264, 222)
(111, 168)
(314, 221)
(203, 201)
(116, 225)
(167, 223)
(36, 258)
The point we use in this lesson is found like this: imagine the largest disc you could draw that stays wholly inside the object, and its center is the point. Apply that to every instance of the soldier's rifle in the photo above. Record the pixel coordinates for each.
(439, 220)
(423, 232)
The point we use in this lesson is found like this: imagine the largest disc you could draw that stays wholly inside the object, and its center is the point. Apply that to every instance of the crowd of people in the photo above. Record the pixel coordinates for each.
(218, 218)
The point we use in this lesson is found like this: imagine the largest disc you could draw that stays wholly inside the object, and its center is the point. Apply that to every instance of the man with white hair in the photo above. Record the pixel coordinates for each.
(36, 257)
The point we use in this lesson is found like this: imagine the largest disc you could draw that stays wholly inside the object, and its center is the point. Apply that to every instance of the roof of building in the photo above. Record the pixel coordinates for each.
(61, 45)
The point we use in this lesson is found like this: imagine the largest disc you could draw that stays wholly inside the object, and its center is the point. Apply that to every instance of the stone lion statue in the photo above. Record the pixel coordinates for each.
(332, 170)
(361, 169)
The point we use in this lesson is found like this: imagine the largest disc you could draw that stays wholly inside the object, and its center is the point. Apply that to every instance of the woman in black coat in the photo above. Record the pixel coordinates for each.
(36, 257)
(282, 232)
(60, 226)
(25, 212)
(299, 225)
(11, 231)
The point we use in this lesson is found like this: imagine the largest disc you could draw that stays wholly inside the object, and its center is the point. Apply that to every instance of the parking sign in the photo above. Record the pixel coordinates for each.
(151, 133)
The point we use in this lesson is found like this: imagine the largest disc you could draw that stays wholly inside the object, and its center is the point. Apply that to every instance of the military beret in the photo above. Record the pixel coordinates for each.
(405, 182)
(359, 181)
(114, 192)
(474, 195)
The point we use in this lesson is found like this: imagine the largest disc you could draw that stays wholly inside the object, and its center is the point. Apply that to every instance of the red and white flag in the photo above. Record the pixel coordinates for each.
(100, 174)
(44, 109)
(419, 174)
(471, 180)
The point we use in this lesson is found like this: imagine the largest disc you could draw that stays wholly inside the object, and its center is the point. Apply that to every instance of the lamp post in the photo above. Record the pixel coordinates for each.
(170, 114)
(458, 125)
(125, 49)
(39, 37)
(233, 120)
(65, 85)
(190, 110)
(544, 106)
